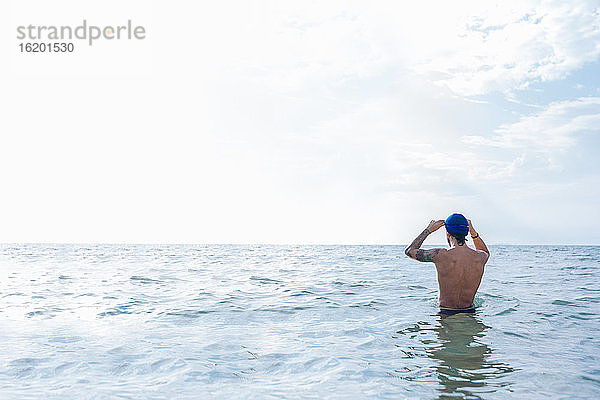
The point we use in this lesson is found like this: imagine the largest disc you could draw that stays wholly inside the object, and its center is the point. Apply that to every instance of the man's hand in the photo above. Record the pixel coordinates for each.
(472, 230)
(435, 225)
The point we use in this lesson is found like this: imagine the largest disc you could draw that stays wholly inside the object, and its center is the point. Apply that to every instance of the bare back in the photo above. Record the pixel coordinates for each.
(459, 273)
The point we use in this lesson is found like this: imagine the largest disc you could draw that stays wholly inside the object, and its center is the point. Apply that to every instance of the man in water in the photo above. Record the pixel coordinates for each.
(460, 268)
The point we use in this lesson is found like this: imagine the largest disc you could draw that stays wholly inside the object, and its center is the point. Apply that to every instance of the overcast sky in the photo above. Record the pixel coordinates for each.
(303, 122)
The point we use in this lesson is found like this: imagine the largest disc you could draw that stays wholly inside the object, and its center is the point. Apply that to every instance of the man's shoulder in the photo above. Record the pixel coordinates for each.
(441, 251)
(479, 255)
(438, 254)
(482, 254)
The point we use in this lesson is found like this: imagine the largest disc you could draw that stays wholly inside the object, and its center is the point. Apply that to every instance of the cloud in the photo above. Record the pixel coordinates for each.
(466, 46)
(388, 144)
(555, 128)
(503, 48)
(541, 140)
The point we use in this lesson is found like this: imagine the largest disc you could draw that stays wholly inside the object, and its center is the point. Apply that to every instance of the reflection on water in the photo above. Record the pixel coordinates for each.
(464, 363)
(464, 360)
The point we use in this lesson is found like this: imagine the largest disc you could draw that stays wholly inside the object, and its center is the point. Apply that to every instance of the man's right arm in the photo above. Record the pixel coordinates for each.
(477, 240)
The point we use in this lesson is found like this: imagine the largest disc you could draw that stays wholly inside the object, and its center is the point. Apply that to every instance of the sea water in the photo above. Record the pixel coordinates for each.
(263, 322)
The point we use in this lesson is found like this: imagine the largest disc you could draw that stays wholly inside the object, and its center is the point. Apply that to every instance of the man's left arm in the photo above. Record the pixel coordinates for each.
(414, 251)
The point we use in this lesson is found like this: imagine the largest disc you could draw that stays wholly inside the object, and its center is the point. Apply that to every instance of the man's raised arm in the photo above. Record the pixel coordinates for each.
(477, 240)
(413, 250)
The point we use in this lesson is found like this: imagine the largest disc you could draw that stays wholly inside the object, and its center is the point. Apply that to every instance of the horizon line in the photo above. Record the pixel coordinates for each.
(271, 244)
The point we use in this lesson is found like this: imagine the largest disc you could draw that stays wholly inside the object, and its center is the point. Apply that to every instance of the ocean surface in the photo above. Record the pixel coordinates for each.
(310, 322)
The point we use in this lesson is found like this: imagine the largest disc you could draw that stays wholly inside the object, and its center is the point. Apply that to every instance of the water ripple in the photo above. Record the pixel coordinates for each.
(226, 321)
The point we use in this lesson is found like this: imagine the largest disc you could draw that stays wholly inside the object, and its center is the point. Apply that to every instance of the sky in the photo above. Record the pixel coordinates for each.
(303, 122)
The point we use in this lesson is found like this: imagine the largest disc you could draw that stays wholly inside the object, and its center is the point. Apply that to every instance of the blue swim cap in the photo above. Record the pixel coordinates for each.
(457, 225)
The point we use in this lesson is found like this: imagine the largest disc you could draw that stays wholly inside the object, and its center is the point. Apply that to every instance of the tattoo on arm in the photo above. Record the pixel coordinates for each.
(417, 242)
(420, 254)
(426, 255)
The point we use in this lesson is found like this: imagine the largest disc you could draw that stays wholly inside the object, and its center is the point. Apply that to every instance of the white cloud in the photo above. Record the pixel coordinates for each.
(472, 47)
(542, 141)
(511, 45)
(555, 128)
(469, 46)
